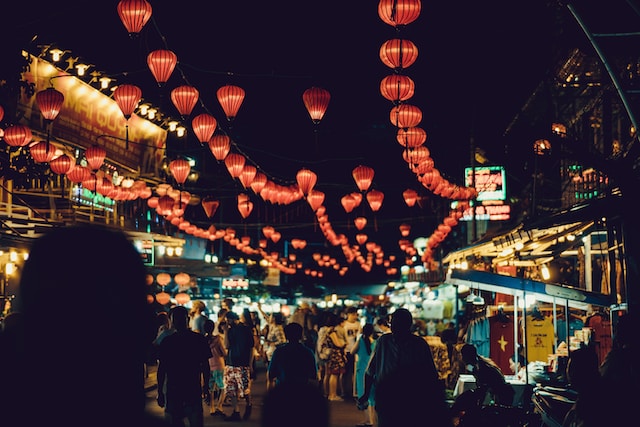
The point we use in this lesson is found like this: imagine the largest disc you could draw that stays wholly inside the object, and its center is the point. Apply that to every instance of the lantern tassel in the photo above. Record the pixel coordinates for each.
(126, 144)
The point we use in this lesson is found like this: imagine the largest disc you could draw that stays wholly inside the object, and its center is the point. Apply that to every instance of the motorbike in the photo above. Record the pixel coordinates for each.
(552, 403)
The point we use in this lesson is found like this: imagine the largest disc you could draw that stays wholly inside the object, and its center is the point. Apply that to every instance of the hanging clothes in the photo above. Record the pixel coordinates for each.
(540, 338)
(478, 334)
(501, 336)
(601, 338)
(440, 356)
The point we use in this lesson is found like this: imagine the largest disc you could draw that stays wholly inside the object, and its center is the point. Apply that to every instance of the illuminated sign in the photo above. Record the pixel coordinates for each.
(489, 212)
(490, 181)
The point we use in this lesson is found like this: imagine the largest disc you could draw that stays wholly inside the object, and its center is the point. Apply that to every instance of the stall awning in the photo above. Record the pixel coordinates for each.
(547, 292)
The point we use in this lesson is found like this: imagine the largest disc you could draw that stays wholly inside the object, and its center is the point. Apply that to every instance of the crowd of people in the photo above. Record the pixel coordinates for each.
(376, 360)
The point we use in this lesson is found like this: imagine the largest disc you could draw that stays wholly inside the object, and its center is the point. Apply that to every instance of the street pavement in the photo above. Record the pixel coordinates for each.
(342, 414)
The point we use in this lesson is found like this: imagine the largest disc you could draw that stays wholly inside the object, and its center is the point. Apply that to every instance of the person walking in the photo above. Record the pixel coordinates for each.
(335, 364)
(237, 372)
(183, 372)
(362, 350)
(216, 366)
(198, 317)
(403, 378)
(352, 329)
(292, 361)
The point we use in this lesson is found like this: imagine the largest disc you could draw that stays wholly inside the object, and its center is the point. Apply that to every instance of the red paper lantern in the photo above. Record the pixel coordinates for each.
(258, 182)
(247, 175)
(182, 298)
(306, 180)
(399, 12)
(411, 137)
(161, 63)
(316, 100)
(361, 238)
(134, 14)
(375, 198)
(184, 98)
(276, 236)
(180, 170)
(398, 53)
(397, 87)
(95, 156)
(360, 222)
(61, 164)
(49, 102)
(245, 208)
(163, 279)
(405, 229)
(363, 176)
(42, 152)
(315, 199)
(182, 279)
(234, 163)
(230, 98)
(210, 206)
(127, 97)
(348, 202)
(204, 125)
(18, 135)
(163, 298)
(220, 145)
(78, 174)
(405, 116)
(410, 197)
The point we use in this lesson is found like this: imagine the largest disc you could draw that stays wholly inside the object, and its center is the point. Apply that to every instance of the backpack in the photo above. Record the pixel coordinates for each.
(324, 346)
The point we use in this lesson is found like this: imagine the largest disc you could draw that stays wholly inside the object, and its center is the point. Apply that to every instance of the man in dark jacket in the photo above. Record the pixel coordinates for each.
(403, 378)
(292, 361)
(183, 372)
(237, 372)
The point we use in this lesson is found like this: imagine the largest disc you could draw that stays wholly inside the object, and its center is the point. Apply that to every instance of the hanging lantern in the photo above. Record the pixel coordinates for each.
(398, 54)
(234, 163)
(306, 180)
(163, 298)
(404, 230)
(210, 206)
(276, 236)
(315, 199)
(134, 14)
(61, 164)
(398, 13)
(49, 102)
(258, 182)
(219, 145)
(230, 98)
(161, 63)
(95, 157)
(182, 298)
(416, 155)
(17, 135)
(180, 169)
(42, 152)
(127, 97)
(405, 116)
(163, 279)
(360, 222)
(247, 175)
(410, 197)
(1, 113)
(268, 231)
(397, 87)
(316, 100)
(204, 125)
(245, 208)
(411, 137)
(363, 176)
(182, 279)
(165, 205)
(104, 186)
(375, 198)
(184, 98)
(361, 238)
(348, 202)
(78, 174)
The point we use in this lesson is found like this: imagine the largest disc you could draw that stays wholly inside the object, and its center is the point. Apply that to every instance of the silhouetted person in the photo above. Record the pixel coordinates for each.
(407, 390)
(294, 404)
(584, 378)
(293, 361)
(489, 377)
(87, 327)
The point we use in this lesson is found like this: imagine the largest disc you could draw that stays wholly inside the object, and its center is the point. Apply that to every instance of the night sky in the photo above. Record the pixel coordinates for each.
(478, 63)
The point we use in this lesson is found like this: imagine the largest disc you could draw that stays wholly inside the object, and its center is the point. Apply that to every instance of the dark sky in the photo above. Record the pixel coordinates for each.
(478, 63)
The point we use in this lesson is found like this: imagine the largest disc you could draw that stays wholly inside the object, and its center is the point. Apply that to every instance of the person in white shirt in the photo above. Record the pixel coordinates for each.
(352, 329)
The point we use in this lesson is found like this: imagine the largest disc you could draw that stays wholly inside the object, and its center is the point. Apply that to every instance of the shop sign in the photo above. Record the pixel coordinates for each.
(490, 181)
